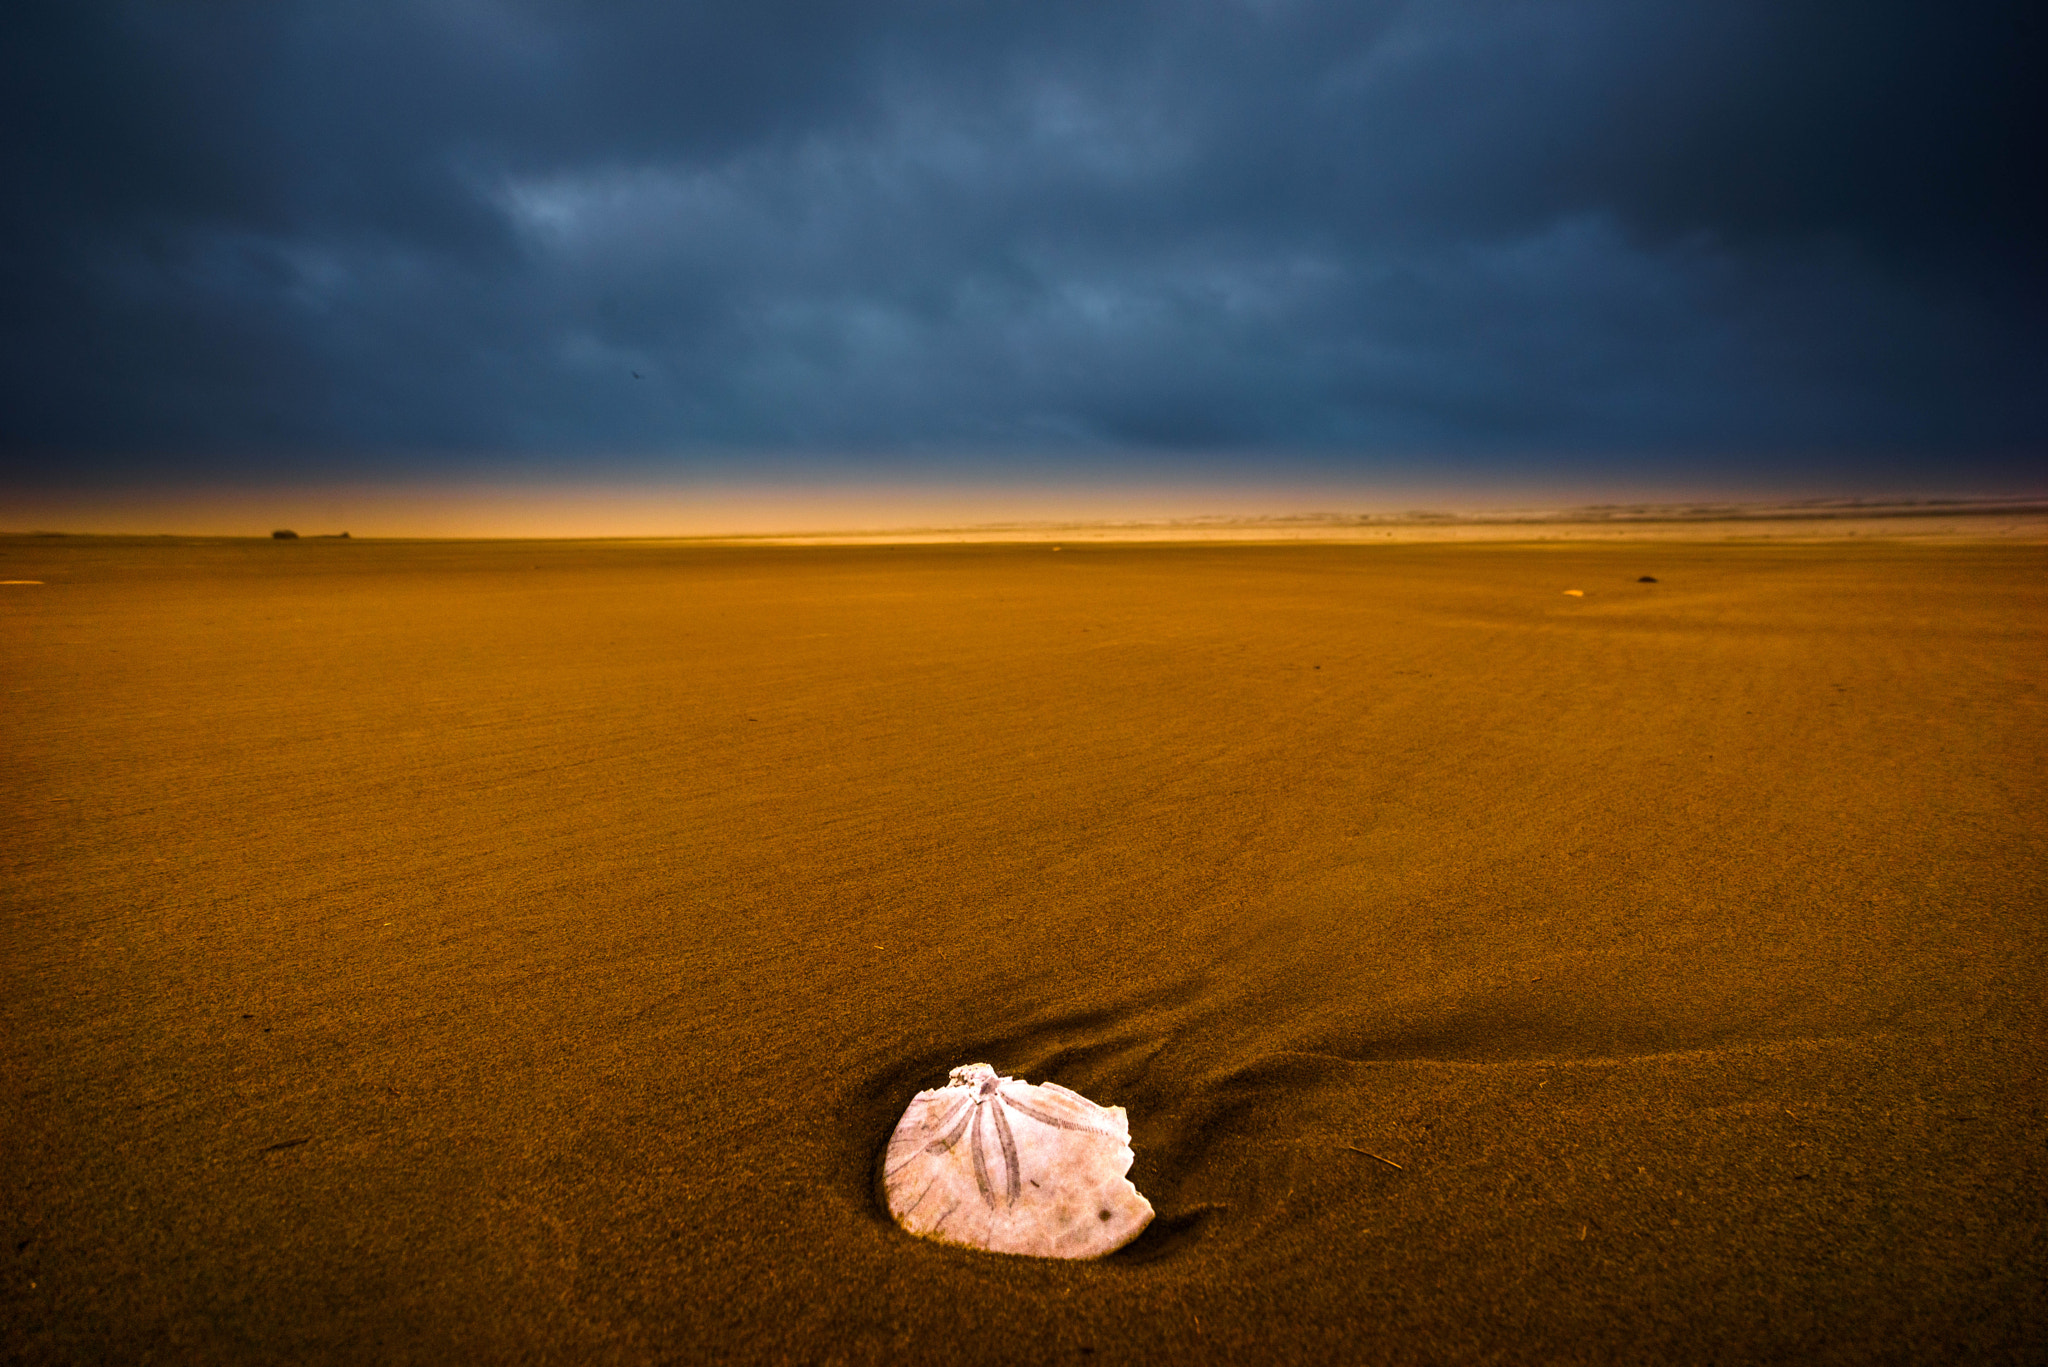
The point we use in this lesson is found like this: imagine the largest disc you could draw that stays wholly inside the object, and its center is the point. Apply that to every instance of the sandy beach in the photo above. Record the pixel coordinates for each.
(520, 951)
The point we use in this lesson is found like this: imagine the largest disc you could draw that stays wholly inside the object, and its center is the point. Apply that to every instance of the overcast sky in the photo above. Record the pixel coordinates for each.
(325, 238)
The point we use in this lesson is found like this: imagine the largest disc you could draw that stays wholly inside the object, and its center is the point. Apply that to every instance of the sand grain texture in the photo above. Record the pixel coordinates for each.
(522, 951)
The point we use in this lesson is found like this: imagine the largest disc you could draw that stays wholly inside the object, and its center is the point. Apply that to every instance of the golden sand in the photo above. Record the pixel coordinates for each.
(522, 950)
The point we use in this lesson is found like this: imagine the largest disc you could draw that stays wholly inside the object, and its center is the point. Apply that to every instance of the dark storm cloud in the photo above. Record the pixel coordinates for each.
(1465, 227)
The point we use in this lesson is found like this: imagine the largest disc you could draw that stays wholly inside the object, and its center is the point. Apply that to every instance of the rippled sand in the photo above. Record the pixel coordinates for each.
(523, 950)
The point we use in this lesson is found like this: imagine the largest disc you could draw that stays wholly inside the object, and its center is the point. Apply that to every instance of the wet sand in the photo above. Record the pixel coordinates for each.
(520, 951)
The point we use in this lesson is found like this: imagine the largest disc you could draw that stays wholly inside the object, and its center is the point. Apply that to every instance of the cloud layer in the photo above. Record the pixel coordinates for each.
(319, 236)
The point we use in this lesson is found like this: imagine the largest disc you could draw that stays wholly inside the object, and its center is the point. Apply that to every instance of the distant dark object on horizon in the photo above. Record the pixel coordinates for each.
(334, 536)
(284, 535)
(1647, 579)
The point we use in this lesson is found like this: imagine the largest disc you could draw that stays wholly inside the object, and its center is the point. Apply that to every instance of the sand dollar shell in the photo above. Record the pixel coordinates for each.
(994, 1162)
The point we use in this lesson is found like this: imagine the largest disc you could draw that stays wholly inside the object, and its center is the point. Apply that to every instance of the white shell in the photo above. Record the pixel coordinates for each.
(994, 1162)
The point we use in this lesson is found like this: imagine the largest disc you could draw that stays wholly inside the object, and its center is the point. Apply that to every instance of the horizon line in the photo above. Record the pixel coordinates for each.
(1645, 514)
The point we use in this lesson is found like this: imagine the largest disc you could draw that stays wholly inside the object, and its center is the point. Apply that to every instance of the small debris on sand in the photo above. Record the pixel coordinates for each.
(1647, 579)
(1575, 593)
(1370, 1154)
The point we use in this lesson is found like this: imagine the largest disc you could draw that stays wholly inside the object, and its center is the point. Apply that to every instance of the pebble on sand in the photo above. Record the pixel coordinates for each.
(1575, 593)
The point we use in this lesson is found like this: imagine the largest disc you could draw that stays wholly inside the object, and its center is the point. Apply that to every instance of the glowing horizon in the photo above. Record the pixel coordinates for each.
(597, 509)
